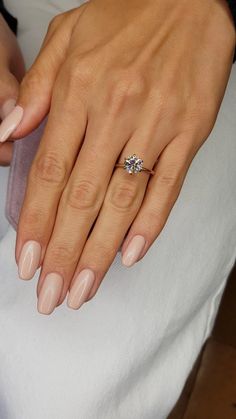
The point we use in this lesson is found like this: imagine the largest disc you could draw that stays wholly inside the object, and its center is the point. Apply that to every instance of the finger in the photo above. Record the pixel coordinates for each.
(162, 193)
(36, 88)
(48, 176)
(121, 204)
(6, 153)
(82, 200)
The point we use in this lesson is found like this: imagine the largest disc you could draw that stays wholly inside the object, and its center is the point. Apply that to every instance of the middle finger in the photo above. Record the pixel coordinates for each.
(121, 204)
(80, 204)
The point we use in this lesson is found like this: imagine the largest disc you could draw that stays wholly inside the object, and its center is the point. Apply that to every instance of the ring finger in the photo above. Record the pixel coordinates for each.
(121, 204)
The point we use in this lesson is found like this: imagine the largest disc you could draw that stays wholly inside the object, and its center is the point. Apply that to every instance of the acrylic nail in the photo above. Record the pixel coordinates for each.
(10, 123)
(50, 293)
(81, 289)
(7, 107)
(29, 259)
(133, 250)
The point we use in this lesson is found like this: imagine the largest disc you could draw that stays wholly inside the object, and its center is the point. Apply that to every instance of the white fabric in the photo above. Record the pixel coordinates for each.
(125, 354)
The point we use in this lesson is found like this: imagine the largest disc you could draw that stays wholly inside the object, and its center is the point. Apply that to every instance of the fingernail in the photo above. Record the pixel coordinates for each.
(29, 259)
(81, 289)
(10, 123)
(50, 293)
(7, 107)
(133, 251)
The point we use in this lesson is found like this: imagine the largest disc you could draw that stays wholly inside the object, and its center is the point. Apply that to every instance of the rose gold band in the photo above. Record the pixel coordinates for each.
(144, 169)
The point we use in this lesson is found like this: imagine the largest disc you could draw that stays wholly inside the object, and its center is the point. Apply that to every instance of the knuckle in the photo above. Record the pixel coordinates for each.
(33, 221)
(158, 96)
(208, 112)
(55, 22)
(79, 72)
(83, 195)
(130, 84)
(155, 220)
(31, 217)
(126, 87)
(201, 114)
(172, 106)
(124, 196)
(31, 80)
(153, 215)
(49, 168)
(63, 253)
(107, 254)
(171, 178)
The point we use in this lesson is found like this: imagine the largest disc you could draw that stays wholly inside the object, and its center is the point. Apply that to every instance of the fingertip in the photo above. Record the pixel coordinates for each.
(32, 118)
(10, 123)
(134, 250)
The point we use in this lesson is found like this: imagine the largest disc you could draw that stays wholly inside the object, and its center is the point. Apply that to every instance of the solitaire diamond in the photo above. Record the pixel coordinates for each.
(133, 164)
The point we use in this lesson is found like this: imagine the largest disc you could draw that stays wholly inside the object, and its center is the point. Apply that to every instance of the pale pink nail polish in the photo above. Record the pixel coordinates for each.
(80, 289)
(10, 123)
(133, 251)
(29, 259)
(50, 293)
(7, 107)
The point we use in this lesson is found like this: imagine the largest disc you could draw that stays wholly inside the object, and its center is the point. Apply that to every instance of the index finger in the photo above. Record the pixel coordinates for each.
(48, 176)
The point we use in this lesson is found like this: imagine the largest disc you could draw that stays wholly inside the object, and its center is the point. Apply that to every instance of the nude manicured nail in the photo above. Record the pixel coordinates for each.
(29, 259)
(7, 107)
(133, 251)
(50, 293)
(10, 123)
(81, 288)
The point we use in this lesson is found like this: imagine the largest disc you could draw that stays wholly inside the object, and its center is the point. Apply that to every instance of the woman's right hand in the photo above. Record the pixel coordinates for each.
(11, 73)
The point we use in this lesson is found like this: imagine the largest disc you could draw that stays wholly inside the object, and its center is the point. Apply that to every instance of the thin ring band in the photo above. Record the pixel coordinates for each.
(144, 169)
(134, 164)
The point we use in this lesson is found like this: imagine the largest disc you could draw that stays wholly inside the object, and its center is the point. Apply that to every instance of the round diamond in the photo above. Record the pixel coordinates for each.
(133, 164)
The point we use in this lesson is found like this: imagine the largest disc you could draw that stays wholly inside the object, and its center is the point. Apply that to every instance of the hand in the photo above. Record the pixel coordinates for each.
(119, 78)
(11, 73)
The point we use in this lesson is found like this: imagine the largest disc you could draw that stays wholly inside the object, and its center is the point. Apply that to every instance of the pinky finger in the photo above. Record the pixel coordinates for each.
(161, 194)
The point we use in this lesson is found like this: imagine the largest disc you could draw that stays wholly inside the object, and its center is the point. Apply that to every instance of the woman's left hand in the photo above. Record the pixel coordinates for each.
(143, 77)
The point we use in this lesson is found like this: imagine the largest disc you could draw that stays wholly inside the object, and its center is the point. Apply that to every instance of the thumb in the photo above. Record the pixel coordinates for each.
(36, 88)
(9, 89)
